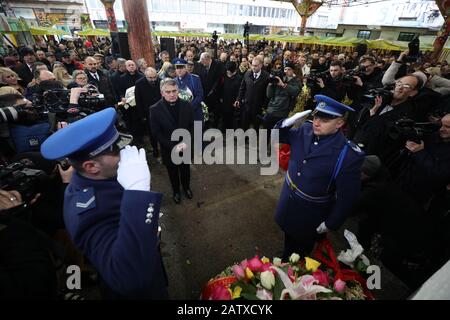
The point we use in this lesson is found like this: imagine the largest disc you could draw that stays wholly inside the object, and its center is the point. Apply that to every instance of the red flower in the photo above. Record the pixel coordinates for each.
(220, 293)
(322, 277)
(255, 264)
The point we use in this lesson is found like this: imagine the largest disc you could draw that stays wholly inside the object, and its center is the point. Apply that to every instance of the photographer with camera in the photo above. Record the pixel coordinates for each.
(337, 85)
(428, 169)
(375, 122)
(370, 75)
(282, 91)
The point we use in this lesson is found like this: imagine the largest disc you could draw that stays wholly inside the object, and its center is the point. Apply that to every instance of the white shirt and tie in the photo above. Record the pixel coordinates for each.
(95, 76)
(256, 75)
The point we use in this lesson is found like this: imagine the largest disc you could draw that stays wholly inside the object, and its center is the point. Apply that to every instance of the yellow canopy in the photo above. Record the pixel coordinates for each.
(43, 31)
(95, 32)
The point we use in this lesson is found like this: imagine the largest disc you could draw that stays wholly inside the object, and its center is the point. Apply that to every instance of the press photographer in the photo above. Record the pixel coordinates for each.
(371, 75)
(339, 84)
(426, 172)
(27, 267)
(375, 122)
(282, 92)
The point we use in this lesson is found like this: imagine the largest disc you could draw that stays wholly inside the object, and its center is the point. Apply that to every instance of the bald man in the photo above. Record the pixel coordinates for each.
(129, 78)
(147, 93)
(100, 79)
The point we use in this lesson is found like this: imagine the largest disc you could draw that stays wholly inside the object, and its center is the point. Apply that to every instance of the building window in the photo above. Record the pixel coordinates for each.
(322, 21)
(193, 6)
(330, 34)
(363, 34)
(406, 36)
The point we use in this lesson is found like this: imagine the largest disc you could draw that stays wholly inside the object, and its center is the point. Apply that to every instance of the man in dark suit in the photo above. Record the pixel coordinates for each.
(147, 93)
(198, 67)
(25, 70)
(101, 80)
(211, 78)
(167, 115)
(252, 94)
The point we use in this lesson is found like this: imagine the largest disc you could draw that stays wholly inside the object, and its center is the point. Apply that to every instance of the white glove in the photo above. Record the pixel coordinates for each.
(181, 147)
(322, 228)
(133, 172)
(299, 115)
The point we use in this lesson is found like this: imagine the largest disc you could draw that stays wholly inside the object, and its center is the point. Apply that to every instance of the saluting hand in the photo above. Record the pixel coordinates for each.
(133, 172)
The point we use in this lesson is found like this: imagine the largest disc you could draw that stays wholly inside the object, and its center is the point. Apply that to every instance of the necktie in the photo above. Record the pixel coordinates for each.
(255, 75)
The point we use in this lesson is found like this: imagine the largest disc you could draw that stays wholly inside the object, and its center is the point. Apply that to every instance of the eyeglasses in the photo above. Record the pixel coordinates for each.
(400, 84)
(81, 78)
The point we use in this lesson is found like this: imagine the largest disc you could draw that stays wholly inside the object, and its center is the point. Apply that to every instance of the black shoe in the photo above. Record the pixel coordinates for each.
(188, 193)
(177, 198)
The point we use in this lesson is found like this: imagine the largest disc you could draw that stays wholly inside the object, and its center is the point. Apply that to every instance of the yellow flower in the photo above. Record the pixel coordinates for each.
(311, 264)
(249, 273)
(265, 260)
(236, 292)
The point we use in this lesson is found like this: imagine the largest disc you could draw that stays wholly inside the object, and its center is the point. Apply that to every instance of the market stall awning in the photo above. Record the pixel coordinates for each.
(43, 31)
(94, 32)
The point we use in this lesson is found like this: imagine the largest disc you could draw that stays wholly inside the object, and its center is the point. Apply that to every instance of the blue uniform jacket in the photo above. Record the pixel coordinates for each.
(110, 226)
(311, 171)
(192, 81)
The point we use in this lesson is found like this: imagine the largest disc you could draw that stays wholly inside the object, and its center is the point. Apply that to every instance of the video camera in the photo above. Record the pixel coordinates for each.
(311, 79)
(409, 130)
(386, 93)
(18, 176)
(57, 101)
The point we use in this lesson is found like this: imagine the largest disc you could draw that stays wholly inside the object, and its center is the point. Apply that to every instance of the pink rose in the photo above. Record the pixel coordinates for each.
(255, 264)
(220, 293)
(322, 277)
(244, 264)
(238, 271)
(339, 286)
(266, 267)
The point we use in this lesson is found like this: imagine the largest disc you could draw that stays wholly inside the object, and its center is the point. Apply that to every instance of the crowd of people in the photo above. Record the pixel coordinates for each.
(401, 122)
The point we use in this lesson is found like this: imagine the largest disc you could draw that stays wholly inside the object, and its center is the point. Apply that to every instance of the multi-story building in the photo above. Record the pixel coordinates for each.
(63, 13)
(391, 19)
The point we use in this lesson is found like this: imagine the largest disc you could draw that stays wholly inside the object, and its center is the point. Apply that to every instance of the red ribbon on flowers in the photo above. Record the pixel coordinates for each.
(324, 247)
(212, 284)
(284, 154)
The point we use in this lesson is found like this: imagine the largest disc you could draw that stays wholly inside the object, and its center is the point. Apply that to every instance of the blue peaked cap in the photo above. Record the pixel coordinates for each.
(86, 138)
(330, 107)
(179, 61)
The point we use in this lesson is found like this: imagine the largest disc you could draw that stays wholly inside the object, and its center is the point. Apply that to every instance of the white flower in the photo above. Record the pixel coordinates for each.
(267, 280)
(277, 262)
(294, 258)
(305, 288)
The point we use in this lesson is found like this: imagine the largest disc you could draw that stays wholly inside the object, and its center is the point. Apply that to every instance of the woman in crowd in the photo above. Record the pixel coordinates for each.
(62, 76)
(11, 79)
(79, 79)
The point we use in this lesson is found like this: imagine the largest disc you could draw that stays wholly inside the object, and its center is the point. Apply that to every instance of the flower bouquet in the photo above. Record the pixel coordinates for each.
(318, 278)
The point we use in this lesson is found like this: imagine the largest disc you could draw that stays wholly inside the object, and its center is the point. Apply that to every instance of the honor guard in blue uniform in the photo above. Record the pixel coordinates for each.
(109, 210)
(323, 177)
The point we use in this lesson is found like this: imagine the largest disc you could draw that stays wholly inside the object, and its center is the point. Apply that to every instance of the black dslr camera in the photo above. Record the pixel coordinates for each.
(311, 79)
(275, 73)
(18, 176)
(409, 130)
(348, 77)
